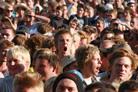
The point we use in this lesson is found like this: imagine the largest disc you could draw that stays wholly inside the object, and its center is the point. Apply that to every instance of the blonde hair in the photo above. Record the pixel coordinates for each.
(29, 80)
(20, 51)
(84, 53)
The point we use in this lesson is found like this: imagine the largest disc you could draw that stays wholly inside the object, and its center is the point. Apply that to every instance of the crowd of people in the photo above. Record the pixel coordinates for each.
(68, 46)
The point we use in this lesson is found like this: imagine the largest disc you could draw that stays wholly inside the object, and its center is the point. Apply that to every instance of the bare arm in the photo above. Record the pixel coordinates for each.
(43, 18)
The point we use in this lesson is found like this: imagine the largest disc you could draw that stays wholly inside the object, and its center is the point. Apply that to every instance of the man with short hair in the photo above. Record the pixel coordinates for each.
(122, 62)
(5, 45)
(28, 82)
(48, 65)
(88, 59)
(8, 33)
(18, 60)
(63, 41)
(134, 22)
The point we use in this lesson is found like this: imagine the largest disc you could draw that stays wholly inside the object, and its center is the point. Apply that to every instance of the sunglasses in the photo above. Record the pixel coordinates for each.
(9, 10)
(29, 16)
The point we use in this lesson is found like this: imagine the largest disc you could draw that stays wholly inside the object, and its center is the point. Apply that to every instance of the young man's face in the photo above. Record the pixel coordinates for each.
(7, 34)
(66, 85)
(132, 6)
(16, 65)
(121, 69)
(59, 13)
(99, 24)
(134, 23)
(94, 64)
(64, 44)
(3, 51)
(92, 37)
(29, 17)
(20, 88)
(111, 16)
(127, 14)
(43, 68)
(80, 12)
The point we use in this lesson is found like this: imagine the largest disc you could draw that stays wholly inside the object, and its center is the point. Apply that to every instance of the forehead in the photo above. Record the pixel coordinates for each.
(65, 35)
(8, 31)
(80, 8)
(123, 60)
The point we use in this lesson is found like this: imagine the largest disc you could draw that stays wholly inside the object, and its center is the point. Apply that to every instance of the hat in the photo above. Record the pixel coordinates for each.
(22, 5)
(22, 30)
(39, 7)
(69, 75)
(131, 2)
(68, 60)
(100, 18)
(108, 7)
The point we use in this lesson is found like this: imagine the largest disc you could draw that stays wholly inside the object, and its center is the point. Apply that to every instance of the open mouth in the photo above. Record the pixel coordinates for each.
(65, 49)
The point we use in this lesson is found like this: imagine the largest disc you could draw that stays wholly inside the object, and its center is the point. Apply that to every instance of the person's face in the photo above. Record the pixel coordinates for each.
(80, 12)
(21, 11)
(132, 40)
(99, 24)
(76, 41)
(94, 64)
(134, 23)
(64, 44)
(7, 34)
(111, 16)
(92, 37)
(20, 88)
(118, 2)
(3, 51)
(65, 10)
(16, 65)
(59, 13)
(37, 10)
(127, 14)
(30, 3)
(9, 12)
(43, 68)
(66, 85)
(121, 68)
(29, 17)
(132, 6)
(90, 13)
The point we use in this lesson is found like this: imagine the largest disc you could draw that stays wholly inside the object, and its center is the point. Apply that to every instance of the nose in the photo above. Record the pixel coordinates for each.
(12, 63)
(122, 68)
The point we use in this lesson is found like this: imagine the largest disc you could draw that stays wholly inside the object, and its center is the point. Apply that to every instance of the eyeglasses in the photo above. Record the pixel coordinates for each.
(9, 10)
(29, 16)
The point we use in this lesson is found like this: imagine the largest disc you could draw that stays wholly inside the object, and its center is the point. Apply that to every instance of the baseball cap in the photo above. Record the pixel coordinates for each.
(68, 60)
(108, 7)
(131, 2)
(22, 30)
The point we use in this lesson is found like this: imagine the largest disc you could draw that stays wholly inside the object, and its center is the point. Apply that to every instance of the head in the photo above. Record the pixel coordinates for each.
(48, 65)
(76, 38)
(59, 11)
(99, 23)
(122, 62)
(87, 56)
(29, 16)
(80, 10)
(112, 14)
(49, 43)
(30, 3)
(66, 81)
(28, 82)
(107, 33)
(91, 32)
(18, 60)
(84, 37)
(128, 13)
(8, 33)
(114, 24)
(132, 6)
(8, 10)
(134, 21)
(63, 41)
(5, 45)
(129, 86)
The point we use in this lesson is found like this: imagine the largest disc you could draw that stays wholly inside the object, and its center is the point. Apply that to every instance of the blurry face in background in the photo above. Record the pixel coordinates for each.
(111, 16)
(9, 12)
(134, 23)
(132, 6)
(59, 13)
(80, 12)
(30, 3)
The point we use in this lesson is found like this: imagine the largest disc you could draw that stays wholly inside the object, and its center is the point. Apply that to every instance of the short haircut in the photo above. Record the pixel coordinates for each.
(135, 31)
(6, 43)
(114, 11)
(85, 53)
(106, 31)
(84, 35)
(53, 61)
(48, 43)
(129, 85)
(19, 40)
(44, 28)
(59, 8)
(60, 32)
(20, 51)
(124, 53)
(136, 17)
(106, 90)
(81, 6)
(41, 51)
(34, 42)
(29, 80)
(129, 10)
(90, 30)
